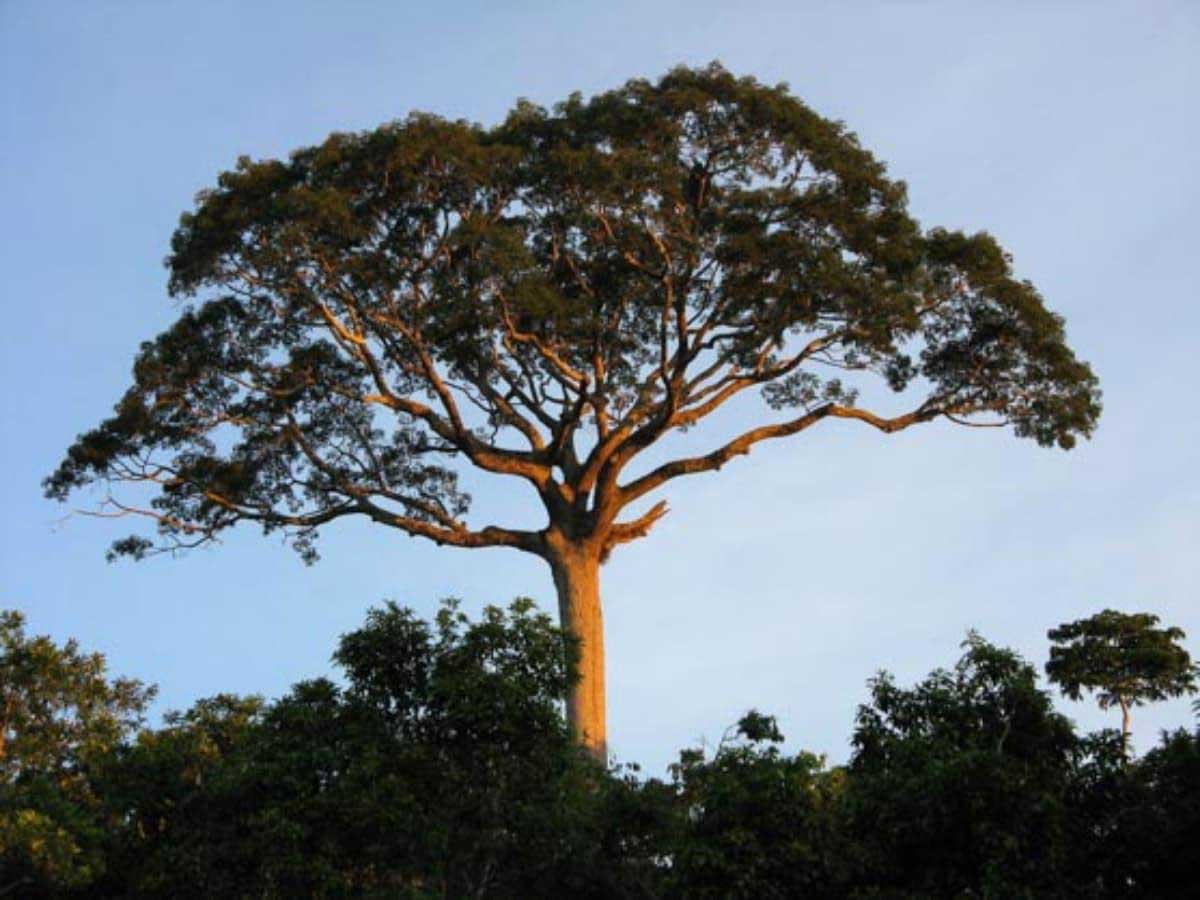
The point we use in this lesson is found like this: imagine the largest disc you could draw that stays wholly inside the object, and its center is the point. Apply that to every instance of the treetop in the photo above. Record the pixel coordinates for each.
(1123, 657)
(544, 299)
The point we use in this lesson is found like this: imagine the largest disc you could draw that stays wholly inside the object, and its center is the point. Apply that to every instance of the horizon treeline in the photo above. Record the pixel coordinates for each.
(444, 767)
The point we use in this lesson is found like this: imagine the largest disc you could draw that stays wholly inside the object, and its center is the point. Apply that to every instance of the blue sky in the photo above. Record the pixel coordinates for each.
(1068, 130)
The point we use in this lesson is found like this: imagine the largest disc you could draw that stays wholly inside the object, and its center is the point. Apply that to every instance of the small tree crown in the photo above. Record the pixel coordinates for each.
(1122, 657)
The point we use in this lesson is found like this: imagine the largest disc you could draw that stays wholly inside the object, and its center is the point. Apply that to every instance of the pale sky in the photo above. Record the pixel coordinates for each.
(1067, 130)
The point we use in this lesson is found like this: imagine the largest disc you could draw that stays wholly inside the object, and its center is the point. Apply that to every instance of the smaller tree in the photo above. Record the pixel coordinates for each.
(443, 767)
(60, 717)
(753, 821)
(1121, 657)
(958, 785)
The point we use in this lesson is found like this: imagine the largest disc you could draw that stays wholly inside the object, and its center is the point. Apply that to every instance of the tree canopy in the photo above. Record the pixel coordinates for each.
(440, 766)
(1122, 657)
(961, 780)
(60, 717)
(624, 264)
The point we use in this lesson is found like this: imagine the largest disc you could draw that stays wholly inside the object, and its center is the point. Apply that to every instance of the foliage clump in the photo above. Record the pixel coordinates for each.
(61, 719)
(1122, 657)
(441, 766)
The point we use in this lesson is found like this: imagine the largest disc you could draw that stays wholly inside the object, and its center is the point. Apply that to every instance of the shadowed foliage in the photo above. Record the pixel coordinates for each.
(442, 767)
(959, 785)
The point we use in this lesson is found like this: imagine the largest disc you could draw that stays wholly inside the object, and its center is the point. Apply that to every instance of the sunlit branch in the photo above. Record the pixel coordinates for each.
(742, 445)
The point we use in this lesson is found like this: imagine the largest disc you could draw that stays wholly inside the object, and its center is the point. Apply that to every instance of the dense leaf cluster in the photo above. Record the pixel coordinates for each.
(546, 299)
(1123, 657)
(61, 719)
(442, 767)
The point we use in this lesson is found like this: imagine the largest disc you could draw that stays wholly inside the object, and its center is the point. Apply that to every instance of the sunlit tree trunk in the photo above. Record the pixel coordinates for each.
(576, 568)
(1126, 726)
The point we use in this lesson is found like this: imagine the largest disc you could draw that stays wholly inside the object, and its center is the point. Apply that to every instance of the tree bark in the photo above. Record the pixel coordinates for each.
(576, 569)
(1126, 726)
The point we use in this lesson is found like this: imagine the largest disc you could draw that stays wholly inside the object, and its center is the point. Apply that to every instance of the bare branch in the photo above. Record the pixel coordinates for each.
(624, 532)
(743, 444)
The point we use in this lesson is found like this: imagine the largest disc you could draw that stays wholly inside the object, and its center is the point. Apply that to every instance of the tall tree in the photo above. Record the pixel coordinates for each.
(1123, 658)
(545, 300)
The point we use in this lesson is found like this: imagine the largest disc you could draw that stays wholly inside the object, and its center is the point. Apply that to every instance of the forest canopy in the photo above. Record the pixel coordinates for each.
(440, 765)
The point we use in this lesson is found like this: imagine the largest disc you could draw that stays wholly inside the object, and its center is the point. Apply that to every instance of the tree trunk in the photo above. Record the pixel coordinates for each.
(576, 571)
(1126, 726)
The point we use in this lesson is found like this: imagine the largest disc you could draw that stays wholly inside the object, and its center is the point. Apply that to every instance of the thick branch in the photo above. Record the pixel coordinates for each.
(743, 444)
(624, 532)
(461, 536)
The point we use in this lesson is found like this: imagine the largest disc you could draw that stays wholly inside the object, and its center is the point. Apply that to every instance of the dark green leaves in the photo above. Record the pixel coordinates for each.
(960, 783)
(992, 346)
(442, 768)
(60, 719)
(1123, 657)
(551, 295)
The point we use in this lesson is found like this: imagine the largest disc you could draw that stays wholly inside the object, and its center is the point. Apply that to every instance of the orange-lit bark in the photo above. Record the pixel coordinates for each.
(1126, 724)
(576, 569)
